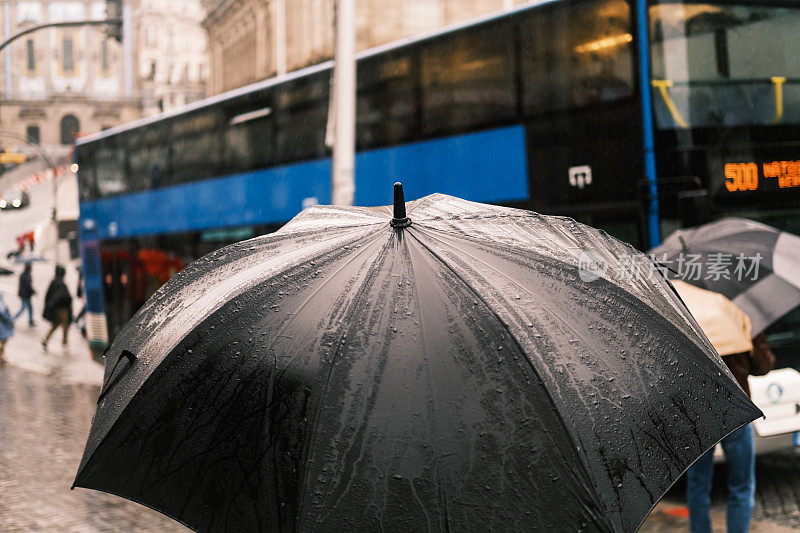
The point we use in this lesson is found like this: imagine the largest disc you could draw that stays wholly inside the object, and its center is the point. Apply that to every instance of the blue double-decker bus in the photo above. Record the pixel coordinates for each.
(633, 116)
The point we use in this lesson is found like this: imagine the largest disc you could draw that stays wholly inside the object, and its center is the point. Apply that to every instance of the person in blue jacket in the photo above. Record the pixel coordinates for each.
(6, 326)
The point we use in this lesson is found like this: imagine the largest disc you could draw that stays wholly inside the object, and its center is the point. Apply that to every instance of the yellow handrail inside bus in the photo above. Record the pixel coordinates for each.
(662, 87)
(778, 82)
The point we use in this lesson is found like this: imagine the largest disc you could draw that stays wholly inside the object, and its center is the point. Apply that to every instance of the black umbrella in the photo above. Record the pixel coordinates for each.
(755, 265)
(355, 371)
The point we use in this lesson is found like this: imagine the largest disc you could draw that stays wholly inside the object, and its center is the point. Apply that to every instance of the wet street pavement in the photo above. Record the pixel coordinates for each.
(44, 422)
(46, 404)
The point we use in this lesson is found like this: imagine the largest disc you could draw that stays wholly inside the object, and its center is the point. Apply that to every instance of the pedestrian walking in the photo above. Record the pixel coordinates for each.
(57, 306)
(25, 293)
(739, 449)
(6, 326)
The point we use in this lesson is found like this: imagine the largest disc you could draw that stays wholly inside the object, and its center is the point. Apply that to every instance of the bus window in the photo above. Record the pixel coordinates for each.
(387, 101)
(249, 134)
(196, 150)
(301, 118)
(110, 170)
(87, 176)
(148, 153)
(576, 54)
(468, 81)
(724, 65)
(146, 167)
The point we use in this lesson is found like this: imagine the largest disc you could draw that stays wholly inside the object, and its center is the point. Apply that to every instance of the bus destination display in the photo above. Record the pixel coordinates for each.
(770, 175)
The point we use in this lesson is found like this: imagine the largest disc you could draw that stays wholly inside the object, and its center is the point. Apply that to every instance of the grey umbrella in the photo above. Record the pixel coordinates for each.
(755, 265)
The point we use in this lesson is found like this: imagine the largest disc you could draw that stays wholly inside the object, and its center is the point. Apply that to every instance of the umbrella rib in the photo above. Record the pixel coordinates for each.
(311, 296)
(335, 355)
(585, 472)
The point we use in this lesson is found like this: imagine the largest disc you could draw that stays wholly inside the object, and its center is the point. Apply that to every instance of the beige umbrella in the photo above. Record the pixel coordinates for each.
(725, 325)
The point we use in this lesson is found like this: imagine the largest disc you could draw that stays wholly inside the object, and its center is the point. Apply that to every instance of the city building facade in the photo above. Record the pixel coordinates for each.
(171, 53)
(59, 83)
(250, 40)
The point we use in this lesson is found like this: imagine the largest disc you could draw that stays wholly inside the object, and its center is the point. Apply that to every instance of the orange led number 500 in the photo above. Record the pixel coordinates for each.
(741, 176)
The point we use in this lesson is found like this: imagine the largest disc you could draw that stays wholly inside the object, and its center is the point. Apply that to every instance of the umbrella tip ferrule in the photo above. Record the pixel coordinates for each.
(400, 219)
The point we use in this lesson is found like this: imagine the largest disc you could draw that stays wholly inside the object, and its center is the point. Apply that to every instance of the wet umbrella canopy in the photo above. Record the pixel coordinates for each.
(450, 370)
(755, 265)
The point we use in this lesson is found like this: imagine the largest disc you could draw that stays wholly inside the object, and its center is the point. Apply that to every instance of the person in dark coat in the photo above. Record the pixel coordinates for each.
(25, 293)
(57, 306)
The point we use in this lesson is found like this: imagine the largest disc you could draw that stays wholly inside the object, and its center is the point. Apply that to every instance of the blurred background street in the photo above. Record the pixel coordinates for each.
(137, 136)
(47, 400)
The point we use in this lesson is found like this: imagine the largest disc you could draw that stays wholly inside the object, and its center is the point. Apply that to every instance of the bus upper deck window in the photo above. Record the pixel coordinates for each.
(718, 65)
(583, 48)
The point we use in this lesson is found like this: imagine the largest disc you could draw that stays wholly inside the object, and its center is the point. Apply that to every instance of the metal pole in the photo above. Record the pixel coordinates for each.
(344, 98)
(280, 37)
(648, 141)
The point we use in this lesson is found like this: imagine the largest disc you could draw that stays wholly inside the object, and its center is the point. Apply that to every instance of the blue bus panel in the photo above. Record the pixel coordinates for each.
(488, 166)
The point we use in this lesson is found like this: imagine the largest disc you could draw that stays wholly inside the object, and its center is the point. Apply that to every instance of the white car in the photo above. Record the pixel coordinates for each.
(778, 396)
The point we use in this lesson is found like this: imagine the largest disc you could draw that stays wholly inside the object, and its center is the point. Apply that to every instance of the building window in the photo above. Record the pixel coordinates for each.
(31, 55)
(69, 129)
(33, 133)
(105, 64)
(68, 60)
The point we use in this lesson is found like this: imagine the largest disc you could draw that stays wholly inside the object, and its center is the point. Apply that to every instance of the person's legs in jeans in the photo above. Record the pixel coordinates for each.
(740, 459)
(30, 312)
(698, 493)
(26, 304)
